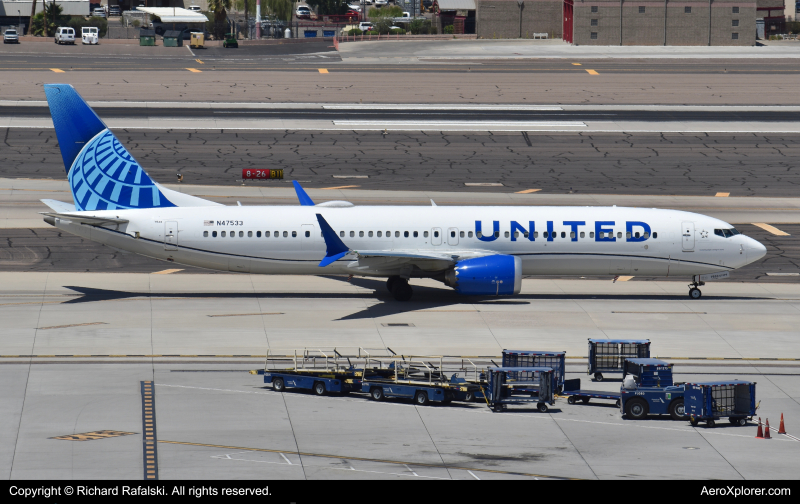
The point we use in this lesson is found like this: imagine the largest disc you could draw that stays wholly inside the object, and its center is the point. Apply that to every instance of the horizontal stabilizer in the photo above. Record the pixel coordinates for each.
(86, 219)
(59, 206)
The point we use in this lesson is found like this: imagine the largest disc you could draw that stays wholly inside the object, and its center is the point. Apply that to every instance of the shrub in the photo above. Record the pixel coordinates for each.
(449, 30)
(136, 23)
(397, 31)
(355, 31)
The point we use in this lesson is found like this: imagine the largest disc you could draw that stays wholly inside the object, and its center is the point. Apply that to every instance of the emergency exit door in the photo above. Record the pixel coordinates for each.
(170, 235)
(688, 235)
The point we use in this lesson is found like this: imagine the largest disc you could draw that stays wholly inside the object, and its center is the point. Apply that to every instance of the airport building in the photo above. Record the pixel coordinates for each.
(625, 22)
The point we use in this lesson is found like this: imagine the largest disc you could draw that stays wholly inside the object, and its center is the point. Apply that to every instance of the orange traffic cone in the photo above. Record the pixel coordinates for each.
(766, 431)
(760, 433)
(781, 429)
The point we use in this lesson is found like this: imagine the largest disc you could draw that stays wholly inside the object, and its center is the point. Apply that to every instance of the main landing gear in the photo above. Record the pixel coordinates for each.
(399, 288)
(694, 292)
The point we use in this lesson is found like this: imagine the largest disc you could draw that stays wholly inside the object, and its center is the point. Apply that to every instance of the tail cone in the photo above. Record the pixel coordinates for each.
(781, 429)
(766, 431)
(760, 432)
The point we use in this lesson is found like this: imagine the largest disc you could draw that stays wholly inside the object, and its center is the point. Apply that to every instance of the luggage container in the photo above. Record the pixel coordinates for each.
(608, 356)
(648, 389)
(710, 401)
(520, 385)
(197, 40)
(524, 358)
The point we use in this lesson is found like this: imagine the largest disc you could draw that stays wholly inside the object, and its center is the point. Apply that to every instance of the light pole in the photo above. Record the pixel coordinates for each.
(19, 21)
(258, 19)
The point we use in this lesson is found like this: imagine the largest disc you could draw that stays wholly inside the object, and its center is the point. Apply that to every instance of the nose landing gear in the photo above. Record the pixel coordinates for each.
(694, 292)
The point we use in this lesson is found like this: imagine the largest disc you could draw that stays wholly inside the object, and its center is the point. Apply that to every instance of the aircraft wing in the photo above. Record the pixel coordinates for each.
(423, 255)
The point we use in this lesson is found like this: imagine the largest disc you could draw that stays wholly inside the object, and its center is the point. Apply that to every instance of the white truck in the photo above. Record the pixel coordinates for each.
(89, 35)
(65, 35)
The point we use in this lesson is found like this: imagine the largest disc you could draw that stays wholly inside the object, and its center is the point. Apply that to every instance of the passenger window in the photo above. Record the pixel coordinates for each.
(380, 234)
(213, 234)
(572, 234)
(277, 234)
(497, 234)
(341, 233)
(285, 234)
(646, 235)
(583, 235)
(266, 234)
(655, 235)
(436, 234)
(370, 234)
(628, 235)
(405, 234)
(452, 234)
(205, 234)
(619, 234)
(563, 234)
(479, 234)
(425, 234)
(526, 235)
(636, 235)
(258, 234)
(469, 235)
(361, 234)
(241, 234)
(506, 234)
(294, 234)
(461, 234)
(308, 234)
(536, 234)
(516, 234)
(249, 234)
(397, 234)
(591, 234)
(545, 235)
(352, 234)
(416, 234)
(223, 234)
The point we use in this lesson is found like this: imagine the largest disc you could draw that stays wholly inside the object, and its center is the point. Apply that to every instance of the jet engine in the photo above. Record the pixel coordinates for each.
(488, 275)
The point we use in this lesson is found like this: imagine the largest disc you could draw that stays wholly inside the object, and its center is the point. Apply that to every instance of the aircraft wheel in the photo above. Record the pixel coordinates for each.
(390, 282)
(695, 293)
(401, 290)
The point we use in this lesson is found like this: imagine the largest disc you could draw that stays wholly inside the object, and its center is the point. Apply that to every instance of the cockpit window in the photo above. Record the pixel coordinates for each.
(726, 233)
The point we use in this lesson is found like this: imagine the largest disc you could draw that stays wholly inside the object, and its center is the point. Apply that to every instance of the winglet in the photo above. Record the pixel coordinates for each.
(301, 194)
(336, 249)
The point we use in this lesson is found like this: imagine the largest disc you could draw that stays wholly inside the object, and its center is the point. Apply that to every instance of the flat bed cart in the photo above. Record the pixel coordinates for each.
(520, 385)
(572, 388)
(418, 380)
(708, 402)
(533, 358)
(608, 356)
(647, 389)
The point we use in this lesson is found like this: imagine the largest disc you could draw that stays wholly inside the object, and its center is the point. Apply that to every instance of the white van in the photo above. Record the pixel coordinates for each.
(65, 35)
(89, 35)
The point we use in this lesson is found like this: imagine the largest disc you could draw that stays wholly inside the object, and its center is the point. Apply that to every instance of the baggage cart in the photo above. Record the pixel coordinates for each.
(572, 389)
(520, 385)
(709, 401)
(648, 389)
(414, 378)
(525, 358)
(197, 40)
(608, 355)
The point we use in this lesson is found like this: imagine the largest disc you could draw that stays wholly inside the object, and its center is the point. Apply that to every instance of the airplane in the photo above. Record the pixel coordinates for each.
(476, 250)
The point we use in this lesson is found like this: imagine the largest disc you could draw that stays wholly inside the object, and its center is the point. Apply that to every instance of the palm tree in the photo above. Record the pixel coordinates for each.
(220, 10)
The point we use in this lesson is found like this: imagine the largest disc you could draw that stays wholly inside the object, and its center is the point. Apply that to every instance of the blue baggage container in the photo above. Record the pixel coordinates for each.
(710, 401)
(525, 358)
(520, 385)
(608, 355)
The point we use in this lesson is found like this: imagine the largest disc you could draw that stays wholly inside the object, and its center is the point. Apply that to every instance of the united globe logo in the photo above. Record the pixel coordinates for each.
(105, 176)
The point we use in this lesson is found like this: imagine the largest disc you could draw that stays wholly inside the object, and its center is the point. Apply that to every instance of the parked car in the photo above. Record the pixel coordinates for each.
(115, 11)
(381, 3)
(89, 35)
(365, 26)
(65, 35)
(10, 37)
(99, 12)
(354, 6)
(303, 13)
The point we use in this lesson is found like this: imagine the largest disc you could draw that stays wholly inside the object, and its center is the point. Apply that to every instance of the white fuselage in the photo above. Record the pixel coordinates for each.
(288, 240)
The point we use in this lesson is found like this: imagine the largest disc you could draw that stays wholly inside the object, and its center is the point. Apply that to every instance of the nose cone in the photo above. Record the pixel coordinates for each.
(755, 250)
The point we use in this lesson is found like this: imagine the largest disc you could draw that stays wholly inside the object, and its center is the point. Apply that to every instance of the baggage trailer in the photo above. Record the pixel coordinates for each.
(710, 401)
(520, 385)
(648, 389)
(608, 356)
(417, 379)
(321, 371)
(524, 358)
(572, 388)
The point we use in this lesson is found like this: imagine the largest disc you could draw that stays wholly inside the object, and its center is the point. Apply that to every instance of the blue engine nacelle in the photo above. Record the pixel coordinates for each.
(489, 275)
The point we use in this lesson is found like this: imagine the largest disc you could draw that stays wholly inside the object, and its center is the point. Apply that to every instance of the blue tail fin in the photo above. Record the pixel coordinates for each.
(102, 174)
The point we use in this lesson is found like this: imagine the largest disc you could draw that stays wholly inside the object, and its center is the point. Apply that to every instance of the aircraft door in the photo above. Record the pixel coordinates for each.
(308, 237)
(436, 236)
(687, 230)
(452, 236)
(170, 235)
